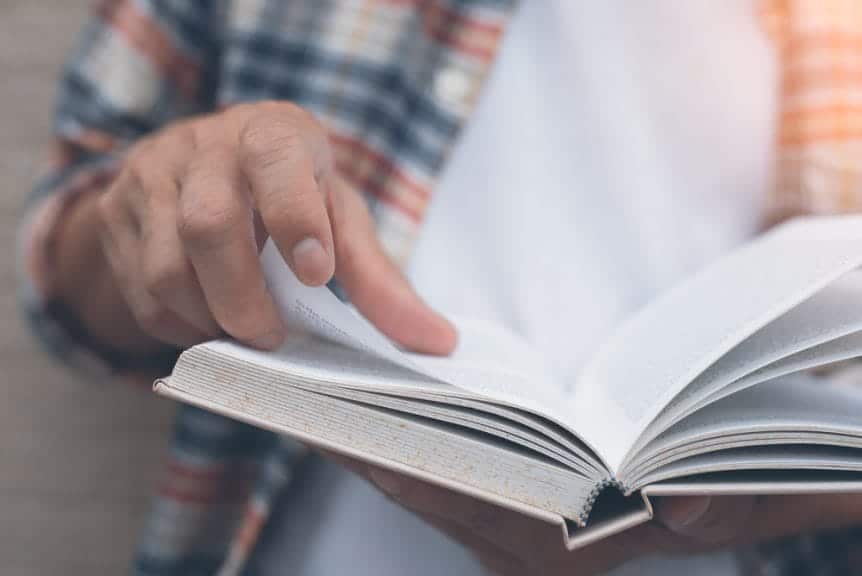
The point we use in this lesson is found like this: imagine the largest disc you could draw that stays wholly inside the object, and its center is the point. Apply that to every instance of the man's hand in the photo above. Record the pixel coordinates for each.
(509, 543)
(182, 225)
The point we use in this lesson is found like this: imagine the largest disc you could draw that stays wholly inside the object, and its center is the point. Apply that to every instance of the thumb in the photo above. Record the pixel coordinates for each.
(710, 520)
(376, 286)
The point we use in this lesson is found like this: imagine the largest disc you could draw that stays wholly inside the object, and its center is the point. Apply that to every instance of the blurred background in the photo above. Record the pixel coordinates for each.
(55, 438)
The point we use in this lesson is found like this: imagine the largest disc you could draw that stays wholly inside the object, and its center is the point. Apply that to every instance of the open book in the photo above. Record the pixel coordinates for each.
(701, 392)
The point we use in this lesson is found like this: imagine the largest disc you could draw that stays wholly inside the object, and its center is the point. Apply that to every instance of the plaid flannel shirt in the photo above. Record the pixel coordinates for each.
(392, 80)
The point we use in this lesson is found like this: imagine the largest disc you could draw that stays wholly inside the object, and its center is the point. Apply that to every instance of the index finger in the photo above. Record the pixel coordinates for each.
(217, 226)
(283, 155)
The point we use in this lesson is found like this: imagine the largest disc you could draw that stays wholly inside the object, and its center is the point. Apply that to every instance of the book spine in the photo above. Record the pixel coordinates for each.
(594, 494)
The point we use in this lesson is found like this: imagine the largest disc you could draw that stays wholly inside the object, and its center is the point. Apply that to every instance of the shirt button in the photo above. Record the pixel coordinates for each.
(453, 86)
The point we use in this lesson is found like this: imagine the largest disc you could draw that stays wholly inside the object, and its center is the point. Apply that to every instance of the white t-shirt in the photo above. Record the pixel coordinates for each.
(618, 146)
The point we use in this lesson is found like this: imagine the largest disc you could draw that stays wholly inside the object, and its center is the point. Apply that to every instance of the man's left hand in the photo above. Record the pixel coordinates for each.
(510, 543)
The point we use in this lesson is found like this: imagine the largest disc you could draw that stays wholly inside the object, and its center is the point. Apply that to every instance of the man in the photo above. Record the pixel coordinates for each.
(603, 161)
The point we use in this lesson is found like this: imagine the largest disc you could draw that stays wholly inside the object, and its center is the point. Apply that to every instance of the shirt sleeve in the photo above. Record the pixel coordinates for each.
(139, 65)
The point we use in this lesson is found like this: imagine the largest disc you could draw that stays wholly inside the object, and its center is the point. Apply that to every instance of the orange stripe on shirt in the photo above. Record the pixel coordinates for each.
(375, 184)
(825, 78)
(252, 524)
(145, 35)
(837, 123)
(367, 169)
(67, 149)
(426, 6)
(182, 470)
(821, 111)
(454, 29)
(804, 43)
(464, 34)
(202, 489)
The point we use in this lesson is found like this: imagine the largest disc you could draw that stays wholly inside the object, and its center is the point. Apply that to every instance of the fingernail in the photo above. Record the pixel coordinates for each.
(269, 341)
(681, 513)
(386, 481)
(311, 262)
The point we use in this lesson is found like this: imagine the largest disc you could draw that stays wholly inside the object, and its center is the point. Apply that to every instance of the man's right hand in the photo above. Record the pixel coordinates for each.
(181, 228)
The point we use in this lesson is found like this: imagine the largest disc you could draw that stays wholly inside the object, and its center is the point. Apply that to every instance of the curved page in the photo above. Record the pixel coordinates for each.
(670, 342)
(489, 361)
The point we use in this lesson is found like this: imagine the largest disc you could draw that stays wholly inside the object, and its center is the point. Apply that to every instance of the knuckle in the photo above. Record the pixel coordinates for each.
(206, 178)
(164, 277)
(266, 141)
(153, 162)
(156, 187)
(213, 164)
(145, 178)
(208, 224)
(211, 175)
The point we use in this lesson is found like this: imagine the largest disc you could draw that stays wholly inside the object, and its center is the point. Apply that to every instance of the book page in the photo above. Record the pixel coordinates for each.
(312, 363)
(837, 350)
(798, 408)
(826, 316)
(493, 362)
(671, 341)
(465, 461)
(318, 311)
(828, 459)
(488, 360)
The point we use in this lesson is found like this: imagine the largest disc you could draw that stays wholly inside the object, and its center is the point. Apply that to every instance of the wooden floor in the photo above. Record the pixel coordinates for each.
(77, 459)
